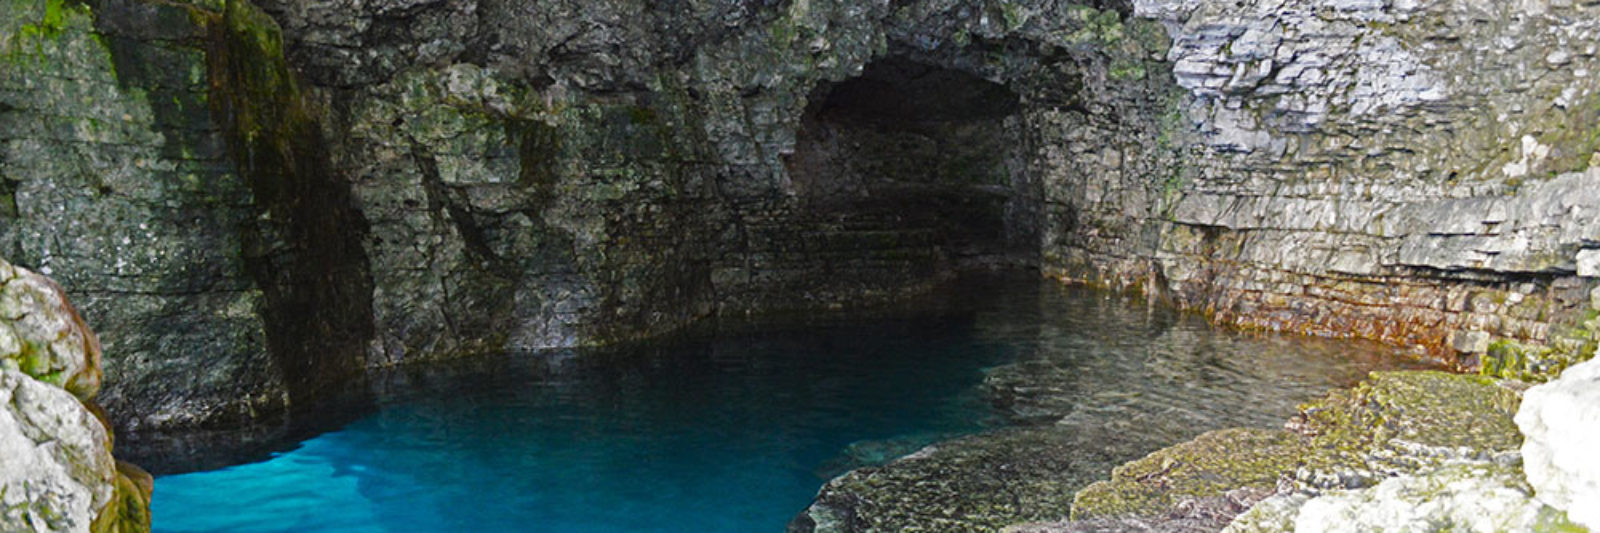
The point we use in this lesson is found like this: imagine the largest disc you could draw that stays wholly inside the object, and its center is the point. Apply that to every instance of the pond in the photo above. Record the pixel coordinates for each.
(734, 425)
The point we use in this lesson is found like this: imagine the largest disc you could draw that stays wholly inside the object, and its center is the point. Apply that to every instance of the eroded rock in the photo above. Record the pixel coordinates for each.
(56, 469)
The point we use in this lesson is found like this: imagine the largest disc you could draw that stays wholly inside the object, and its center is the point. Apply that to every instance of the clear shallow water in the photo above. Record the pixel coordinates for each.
(734, 429)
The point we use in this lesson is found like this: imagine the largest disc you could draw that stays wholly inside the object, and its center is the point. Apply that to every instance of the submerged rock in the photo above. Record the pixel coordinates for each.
(56, 468)
(1561, 421)
(977, 483)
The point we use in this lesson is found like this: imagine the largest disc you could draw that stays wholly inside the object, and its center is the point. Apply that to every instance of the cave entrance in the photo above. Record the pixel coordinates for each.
(899, 178)
(917, 148)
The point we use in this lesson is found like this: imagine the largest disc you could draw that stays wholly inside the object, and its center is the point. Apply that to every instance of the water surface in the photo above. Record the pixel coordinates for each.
(734, 427)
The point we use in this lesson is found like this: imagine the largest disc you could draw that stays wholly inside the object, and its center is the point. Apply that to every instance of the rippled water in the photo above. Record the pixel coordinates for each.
(733, 428)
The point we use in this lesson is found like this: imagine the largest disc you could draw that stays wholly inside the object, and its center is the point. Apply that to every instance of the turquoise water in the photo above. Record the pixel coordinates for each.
(732, 428)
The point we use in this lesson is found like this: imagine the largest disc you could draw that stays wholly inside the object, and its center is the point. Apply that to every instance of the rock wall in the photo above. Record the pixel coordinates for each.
(1415, 172)
(115, 179)
(56, 468)
(258, 203)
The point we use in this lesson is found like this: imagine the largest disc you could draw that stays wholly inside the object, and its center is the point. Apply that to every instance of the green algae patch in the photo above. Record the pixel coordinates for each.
(1510, 359)
(1394, 423)
(1404, 422)
(1420, 411)
(1208, 466)
(36, 24)
(129, 509)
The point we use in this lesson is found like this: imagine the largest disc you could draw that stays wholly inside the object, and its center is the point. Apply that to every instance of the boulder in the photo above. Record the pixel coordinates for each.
(1560, 421)
(56, 468)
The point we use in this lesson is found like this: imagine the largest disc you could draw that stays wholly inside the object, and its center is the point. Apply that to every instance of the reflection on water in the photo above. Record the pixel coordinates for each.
(733, 428)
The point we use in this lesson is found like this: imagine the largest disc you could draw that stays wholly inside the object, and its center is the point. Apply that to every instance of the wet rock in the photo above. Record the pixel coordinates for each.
(1403, 422)
(1395, 425)
(117, 182)
(1561, 424)
(977, 483)
(1209, 466)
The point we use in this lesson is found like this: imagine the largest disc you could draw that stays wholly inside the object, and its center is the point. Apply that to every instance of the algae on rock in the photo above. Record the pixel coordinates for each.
(57, 473)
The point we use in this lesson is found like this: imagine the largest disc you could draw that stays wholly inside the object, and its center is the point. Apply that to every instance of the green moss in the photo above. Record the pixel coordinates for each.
(1123, 69)
(46, 21)
(962, 38)
(1093, 26)
(1394, 422)
(1208, 466)
(1572, 343)
(129, 509)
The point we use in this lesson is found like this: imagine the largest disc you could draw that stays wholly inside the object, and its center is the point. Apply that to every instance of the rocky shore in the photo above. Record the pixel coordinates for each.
(1403, 450)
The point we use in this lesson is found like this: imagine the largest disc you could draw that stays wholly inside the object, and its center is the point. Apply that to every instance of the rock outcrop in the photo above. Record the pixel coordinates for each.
(1484, 498)
(1402, 451)
(1417, 172)
(1561, 424)
(56, 468)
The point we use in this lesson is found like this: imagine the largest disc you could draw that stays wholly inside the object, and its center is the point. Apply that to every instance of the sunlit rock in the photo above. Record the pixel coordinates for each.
(1561, 424)
(1487, 498)
(56, 468)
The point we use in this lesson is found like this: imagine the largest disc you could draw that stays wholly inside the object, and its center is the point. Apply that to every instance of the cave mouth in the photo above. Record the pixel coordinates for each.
(933, 154)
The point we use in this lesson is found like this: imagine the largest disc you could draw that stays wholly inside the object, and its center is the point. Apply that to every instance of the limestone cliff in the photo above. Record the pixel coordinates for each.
(258, 201)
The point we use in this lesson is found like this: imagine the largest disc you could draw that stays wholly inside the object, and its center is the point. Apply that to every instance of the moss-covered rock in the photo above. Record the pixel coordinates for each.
(42, 335)
(1206, 467)
(978, 483)
(1399, 422)
(1392, 424)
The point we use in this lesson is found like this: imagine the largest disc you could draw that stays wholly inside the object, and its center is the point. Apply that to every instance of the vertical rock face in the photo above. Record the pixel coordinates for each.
(257, 203)
(56, 468)
(115, 179)
(1407, 171)
(1561, 422)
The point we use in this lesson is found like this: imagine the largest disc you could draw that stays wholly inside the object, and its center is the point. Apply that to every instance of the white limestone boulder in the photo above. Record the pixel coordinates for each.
(1560, 421)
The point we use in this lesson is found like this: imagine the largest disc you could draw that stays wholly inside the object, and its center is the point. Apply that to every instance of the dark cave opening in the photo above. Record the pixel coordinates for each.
(913, 147)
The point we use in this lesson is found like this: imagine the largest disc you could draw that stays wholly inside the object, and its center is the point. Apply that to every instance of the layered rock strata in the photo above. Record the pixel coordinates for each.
(256, 202)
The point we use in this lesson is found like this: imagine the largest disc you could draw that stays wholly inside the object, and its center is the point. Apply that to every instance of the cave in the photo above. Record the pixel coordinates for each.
(899, 178)
(697, 266)
(917, 148)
